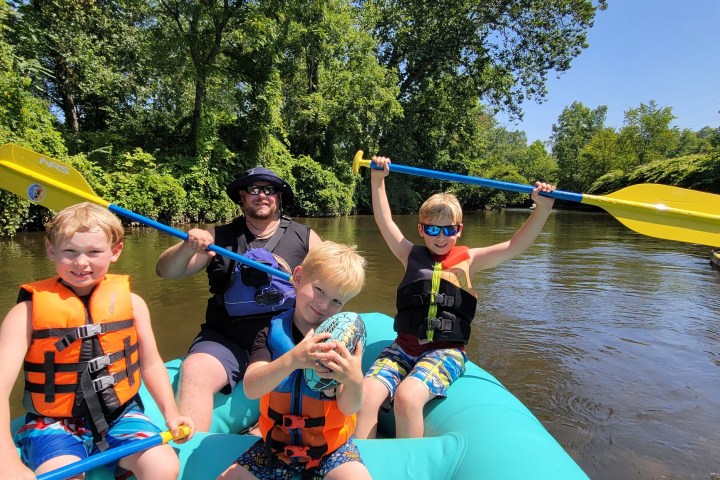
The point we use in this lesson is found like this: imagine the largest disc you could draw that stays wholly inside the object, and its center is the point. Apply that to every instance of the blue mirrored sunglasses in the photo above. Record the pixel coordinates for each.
(434, 230)
(266, 189)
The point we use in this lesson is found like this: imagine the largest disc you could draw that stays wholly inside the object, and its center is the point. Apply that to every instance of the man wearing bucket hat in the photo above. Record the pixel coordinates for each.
(218, 356)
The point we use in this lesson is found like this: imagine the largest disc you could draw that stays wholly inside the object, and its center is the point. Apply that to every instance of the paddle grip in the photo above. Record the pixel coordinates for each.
(483, 182)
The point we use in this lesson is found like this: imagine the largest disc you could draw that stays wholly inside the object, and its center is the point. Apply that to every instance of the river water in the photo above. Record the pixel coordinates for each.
(611, 338)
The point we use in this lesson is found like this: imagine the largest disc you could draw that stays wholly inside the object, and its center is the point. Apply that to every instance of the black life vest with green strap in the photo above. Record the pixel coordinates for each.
(435, 300)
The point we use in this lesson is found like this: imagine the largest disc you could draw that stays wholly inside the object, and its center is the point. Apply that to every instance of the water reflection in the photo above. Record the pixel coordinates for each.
(609, 337)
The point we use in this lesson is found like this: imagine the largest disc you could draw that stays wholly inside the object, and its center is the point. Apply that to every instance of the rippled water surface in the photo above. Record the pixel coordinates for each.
(611, 338)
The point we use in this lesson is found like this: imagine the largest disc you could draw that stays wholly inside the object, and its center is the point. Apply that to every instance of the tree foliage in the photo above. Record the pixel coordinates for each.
(647, 132)
(577, 124)
(159, 104)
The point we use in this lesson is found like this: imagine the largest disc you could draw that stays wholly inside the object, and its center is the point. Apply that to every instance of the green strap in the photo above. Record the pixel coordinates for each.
(434, 288)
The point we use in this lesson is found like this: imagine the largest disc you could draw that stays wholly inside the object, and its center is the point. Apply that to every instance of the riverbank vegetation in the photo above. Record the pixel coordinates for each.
(159, 104)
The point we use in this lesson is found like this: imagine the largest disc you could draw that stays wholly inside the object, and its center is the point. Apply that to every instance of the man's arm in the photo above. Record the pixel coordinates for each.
(314, 240)
(188, 257)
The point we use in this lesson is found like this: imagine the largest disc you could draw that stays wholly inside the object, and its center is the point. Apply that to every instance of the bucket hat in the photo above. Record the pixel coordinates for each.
(259, 174)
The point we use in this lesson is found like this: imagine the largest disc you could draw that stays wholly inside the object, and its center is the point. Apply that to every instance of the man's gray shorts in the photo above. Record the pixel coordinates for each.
(231, 356)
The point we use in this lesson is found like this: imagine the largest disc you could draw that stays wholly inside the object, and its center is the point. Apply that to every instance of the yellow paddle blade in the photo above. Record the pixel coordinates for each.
(43, 180)
(662, 211)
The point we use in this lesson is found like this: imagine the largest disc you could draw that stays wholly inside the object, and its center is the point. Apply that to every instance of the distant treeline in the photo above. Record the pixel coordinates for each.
(159, 104)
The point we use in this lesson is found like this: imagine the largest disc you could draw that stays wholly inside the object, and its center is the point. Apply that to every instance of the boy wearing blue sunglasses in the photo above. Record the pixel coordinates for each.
(436, 304)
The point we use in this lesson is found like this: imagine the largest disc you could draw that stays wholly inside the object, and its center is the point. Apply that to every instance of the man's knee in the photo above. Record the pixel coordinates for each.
(202, 372)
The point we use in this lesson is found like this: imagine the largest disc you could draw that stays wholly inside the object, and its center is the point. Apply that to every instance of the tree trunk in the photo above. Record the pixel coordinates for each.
(197, 114)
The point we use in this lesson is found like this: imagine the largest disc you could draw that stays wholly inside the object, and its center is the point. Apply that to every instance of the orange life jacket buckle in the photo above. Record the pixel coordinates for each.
(296, 451)
(293, 421)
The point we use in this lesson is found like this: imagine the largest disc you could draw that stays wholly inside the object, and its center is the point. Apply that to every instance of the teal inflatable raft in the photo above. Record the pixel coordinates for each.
(481, 431)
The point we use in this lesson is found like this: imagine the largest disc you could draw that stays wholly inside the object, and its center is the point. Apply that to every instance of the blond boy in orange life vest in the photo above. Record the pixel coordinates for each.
(315, 442)
(84, 341)
(436, 304)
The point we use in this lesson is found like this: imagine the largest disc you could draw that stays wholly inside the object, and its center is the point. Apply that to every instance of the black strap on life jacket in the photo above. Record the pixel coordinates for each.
(456, 309)
(294, 421)
(275, 447)
(72, 334)
(88, 388)
(240, 243)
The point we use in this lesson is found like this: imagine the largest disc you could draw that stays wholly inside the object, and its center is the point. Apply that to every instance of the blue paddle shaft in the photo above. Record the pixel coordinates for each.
(102, 458)
(483, 182)
(184, 236)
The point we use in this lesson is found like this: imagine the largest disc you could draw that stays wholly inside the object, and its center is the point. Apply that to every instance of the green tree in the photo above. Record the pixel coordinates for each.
(539, 164)
(576, 125)
(688, 142)
(602, 154)
(504, 50)
(647, 132)
(200, 33)
(711, 135)
(452, 55)
(337, 95)
(24, 120)
(90, 55)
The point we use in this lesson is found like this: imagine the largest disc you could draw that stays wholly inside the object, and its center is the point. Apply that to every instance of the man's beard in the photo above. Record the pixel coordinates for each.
(253, 215)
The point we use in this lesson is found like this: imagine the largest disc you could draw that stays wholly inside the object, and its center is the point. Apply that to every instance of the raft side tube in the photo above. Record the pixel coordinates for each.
(505, 440)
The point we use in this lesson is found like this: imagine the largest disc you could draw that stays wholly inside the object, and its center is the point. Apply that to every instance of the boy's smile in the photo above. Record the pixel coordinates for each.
(439, 244)
(82, 260)
(315, 300)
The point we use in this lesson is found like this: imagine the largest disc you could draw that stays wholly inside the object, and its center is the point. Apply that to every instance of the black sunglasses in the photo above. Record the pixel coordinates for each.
(266, 189)
(434, 230)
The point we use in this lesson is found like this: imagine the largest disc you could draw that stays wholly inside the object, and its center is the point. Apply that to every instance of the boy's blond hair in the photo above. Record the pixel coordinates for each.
(441, 208)
(337, 264)
(84, 217)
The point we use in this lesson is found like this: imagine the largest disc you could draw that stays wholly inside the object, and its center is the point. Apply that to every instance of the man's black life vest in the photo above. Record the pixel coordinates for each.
(290, 242)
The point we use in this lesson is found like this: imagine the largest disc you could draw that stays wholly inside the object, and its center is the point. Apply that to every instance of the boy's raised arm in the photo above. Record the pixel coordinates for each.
(524, 238)
(399, 245)
(15, 335)
(153, 371)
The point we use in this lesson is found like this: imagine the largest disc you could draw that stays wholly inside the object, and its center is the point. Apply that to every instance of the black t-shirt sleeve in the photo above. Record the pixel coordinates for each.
(260, 351)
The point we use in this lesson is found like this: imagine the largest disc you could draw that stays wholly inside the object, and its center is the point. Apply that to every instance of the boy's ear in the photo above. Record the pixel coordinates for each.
(420, 230)
(297, 275)
(116, 251)
(460, 231)
(49, 250)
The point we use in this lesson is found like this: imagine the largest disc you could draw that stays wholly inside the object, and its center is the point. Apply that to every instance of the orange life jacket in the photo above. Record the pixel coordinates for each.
(82, 360)
(300, 425)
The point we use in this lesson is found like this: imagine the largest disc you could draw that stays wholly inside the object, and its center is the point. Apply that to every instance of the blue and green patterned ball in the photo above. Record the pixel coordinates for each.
(347, 328)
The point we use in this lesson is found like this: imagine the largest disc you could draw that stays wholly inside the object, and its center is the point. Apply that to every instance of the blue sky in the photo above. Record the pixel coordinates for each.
(640, 50)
